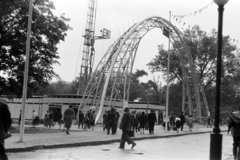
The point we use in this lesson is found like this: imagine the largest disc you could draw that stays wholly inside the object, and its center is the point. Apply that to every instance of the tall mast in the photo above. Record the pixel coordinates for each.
(88, 52)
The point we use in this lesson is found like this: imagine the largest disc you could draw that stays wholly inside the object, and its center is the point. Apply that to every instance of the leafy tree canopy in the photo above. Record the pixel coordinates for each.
(202, 47)
(47, 31)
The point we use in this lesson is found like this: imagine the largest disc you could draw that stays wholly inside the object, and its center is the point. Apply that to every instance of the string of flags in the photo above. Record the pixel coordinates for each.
(179, 18)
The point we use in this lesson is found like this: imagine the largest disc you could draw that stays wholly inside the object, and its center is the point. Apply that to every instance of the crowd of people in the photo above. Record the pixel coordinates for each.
(135, 122)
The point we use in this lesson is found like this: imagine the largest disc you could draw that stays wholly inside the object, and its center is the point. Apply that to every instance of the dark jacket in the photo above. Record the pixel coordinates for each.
(135, 119)
(236, 128)
(126, 121)
(182, 117)
(152, 118)
(111, 118)
(5, 119)
(81, 116)
(143, 119)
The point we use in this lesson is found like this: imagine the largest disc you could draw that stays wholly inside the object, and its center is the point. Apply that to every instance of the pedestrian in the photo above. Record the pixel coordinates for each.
(209, 122)
(19, 119)
(80, 118)
(105, 120)
(35, 119)
(164, 123)
(47, 119)
(69, 115)
(235, 125)
(178, 123)
(135, 121)
(89, 113)
(55, 117)
(117, 115)
(142, 121)
(138, 116)
(125, 126)
(92, 119)
(190, 122)
(171, 120)
(85, 121)
(182, 117)
(60, 119)
(111, 121)
(5, 123)
(51, 117)
(151, 121)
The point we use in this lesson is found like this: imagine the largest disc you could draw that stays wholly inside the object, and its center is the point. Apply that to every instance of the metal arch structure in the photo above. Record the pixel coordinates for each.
(112, 77)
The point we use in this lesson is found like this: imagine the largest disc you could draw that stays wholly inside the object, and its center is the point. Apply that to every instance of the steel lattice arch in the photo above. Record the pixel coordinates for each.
(112, 76)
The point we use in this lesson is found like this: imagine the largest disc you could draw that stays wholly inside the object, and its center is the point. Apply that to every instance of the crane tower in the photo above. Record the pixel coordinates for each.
(88, 52)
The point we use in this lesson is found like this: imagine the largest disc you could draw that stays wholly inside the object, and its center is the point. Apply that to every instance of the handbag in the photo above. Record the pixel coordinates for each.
(131, 133)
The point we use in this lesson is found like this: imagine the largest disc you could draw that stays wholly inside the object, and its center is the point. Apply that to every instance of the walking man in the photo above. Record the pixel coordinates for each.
(182, 117)
(235, 125)
(135, 121)
(125, 126)
(111, 121)
(151, 121)
(209, 122)
(105, 116)
(80, 116)
(5, 123)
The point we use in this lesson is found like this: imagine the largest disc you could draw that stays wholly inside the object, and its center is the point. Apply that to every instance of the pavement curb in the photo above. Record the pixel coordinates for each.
(96, 143)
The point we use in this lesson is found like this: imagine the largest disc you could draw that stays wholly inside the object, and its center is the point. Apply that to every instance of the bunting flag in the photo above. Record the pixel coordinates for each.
(179, 19)
(193, 13)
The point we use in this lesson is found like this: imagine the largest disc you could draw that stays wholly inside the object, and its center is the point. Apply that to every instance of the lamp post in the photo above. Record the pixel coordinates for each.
(216, 137)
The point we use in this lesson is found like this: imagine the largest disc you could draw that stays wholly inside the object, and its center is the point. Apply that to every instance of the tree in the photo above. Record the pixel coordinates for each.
(202, 48)
(47, 31)
(59, 87)
(136, 89)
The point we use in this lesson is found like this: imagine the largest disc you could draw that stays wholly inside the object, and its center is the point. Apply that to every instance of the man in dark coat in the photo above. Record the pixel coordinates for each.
(116, 121)
(125, 126)
(105, 117)
(182, 117)
(5, 123)
(235, 125)
(151, 121)
(135, 121)
(111, 121)
(80, 118)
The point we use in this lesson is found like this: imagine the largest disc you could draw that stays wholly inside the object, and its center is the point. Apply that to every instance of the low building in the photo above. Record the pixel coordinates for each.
(41, 104)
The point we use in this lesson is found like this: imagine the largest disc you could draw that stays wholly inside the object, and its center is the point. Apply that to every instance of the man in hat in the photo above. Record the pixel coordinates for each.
(125, 126)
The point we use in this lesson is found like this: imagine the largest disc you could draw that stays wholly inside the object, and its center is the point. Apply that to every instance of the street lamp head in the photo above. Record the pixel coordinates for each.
(220, 2)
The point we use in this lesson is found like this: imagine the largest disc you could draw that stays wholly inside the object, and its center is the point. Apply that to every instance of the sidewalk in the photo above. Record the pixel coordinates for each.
(78, 137)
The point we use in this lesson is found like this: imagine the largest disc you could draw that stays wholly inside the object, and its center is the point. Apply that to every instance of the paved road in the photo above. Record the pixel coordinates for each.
(189, 147)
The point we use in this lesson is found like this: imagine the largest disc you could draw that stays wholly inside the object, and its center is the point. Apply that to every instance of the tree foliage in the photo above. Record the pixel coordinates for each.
(203, 49)
(47, 31)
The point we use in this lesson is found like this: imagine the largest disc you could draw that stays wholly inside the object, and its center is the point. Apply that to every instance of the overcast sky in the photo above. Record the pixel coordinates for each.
(118, 15)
